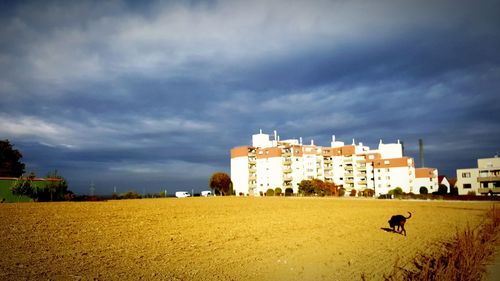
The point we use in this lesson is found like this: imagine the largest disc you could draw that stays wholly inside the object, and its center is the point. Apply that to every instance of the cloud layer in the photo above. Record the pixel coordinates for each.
(154, 95)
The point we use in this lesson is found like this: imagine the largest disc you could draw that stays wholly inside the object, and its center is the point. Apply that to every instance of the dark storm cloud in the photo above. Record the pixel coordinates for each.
(129, 94)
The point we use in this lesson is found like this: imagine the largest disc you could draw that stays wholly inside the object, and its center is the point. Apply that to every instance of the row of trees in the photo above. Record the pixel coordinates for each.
(55, 188)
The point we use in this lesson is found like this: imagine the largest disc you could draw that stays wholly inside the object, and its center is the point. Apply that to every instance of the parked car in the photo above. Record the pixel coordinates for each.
(182, 194)
(206, 193)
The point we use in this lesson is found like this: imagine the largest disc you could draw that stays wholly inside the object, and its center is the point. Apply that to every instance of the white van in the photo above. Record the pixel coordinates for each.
(206, 193)
(182, 194)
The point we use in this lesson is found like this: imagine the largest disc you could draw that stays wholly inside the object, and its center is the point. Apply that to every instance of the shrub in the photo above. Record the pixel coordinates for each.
(353, 192)
(423, 190)
(341, 191)
(277, 191)
(288, 191)
(368, 192)
(270, 192)
(442, 189)
(130, 195)
(398, 191)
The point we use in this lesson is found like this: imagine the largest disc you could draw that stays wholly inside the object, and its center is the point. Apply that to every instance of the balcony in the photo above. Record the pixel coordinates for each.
(495, 190)
(489, 178)
(287, 160)
(327, 161)
(347, 160)
(251, 159)
(287, 170)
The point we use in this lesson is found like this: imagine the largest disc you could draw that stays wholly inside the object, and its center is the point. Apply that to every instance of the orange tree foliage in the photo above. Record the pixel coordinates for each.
(221, 182)
(318, 187)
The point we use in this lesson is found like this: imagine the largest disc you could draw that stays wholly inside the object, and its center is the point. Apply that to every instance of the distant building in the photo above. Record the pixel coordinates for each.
(428, 178)
(6, 183)
(485, 179)
(270, 164)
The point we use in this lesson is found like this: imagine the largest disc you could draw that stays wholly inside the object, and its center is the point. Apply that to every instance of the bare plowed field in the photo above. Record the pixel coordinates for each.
(221, 238)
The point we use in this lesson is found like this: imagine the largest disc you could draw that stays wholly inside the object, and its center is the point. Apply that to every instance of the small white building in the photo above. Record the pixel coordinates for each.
(428, 178)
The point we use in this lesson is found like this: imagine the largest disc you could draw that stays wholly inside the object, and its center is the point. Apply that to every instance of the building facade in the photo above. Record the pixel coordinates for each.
(270, 164)
(485, 179)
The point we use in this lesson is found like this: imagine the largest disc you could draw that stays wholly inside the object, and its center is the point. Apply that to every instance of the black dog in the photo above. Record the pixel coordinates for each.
(399, 221)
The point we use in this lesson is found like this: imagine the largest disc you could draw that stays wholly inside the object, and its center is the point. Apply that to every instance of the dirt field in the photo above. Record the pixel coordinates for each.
(221, 238)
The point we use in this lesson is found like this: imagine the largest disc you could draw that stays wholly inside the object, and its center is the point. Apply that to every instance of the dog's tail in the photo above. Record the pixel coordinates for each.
(409, 216)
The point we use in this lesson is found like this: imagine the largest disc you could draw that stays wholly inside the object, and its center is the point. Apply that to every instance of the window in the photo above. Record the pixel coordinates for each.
(485, 184)
(466, 175)
(387, 162)
(497, 184)
(467, 186)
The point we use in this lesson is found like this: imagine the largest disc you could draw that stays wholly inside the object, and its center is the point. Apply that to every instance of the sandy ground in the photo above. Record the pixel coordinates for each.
(221, 238)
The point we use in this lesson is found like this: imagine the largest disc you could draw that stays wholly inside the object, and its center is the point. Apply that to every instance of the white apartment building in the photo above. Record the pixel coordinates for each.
(270, 164)
(485, 179)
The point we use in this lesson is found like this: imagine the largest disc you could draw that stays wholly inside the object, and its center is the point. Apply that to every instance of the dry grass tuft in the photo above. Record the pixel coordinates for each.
(462, 259)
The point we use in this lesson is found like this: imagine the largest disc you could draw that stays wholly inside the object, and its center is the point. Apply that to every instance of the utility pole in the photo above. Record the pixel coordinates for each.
(92, 188)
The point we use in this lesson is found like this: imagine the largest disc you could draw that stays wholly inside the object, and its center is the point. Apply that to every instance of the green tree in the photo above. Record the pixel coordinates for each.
(221, 183)
(423, 190)
(24, 186)
(55, 188)
(398, 191)
(270, 192)
(288, 191)
(306, 187)
(10, 164)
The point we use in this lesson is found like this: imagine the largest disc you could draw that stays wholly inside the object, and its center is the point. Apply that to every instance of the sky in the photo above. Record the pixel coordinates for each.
(152, 95)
